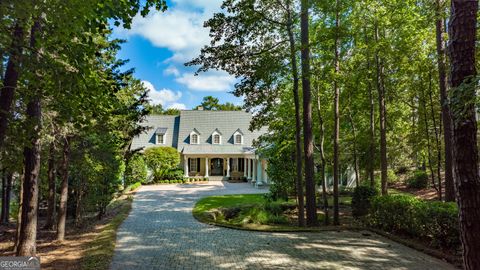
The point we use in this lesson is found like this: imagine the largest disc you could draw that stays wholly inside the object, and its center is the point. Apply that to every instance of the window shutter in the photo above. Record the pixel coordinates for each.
(198, 164)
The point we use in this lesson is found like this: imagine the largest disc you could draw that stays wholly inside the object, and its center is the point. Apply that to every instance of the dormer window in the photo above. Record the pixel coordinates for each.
(195, 137)
(160, 135)
(160, 139)
(238, 137)
(216, 137)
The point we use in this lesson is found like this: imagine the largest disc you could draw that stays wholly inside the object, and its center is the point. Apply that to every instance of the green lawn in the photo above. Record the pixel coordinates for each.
(254, 212)
(213, 202)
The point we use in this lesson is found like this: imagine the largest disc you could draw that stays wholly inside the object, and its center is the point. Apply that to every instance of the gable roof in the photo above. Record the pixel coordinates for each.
(196, 131)
(217, 131)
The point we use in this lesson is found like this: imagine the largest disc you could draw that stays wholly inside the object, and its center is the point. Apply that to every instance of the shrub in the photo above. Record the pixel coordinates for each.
(392, 177)
(361, 198)
(402, 170)
(433, 221)
(273, 208)
(132, 187)
(136, 170)
(163, 161)
(418, 180)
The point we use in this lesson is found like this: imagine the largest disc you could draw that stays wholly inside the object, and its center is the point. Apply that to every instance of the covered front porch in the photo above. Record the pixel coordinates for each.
(226, 167)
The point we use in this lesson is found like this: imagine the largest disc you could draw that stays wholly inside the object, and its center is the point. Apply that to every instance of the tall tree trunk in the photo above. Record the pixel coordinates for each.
(461, 49)
(371, 97)
(3, 215)
(79, 203)
(447, 121)
(62, 210)
(7, 178)
(383, 117)
(437, 139)
(51, 189)
(427, 136)
(31, 153)
(298, 124)
(19, 215)
(336, 135)
(307, 118)
(10, 80)
(355, 156)
(322, 160)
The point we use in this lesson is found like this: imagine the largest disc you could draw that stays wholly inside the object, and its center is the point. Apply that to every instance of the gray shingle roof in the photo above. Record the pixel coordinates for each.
(161, 130)
(154, 122)
(178, 129)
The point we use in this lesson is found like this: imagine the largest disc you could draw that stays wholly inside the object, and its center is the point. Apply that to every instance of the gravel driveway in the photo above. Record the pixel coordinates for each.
(160, 233)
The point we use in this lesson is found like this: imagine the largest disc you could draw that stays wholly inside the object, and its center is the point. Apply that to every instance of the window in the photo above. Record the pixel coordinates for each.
(194, 139)
(160, 139)
(238, 139)
(216, 139)
(193, 165)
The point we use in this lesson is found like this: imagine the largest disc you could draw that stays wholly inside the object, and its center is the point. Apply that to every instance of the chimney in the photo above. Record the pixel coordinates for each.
(200, 108)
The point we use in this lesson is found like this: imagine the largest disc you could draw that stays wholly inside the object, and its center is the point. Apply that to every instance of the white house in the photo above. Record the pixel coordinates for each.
(214, 144)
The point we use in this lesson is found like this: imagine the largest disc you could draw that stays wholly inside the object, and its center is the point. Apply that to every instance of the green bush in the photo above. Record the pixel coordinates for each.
(433, 221)
(392, 176)
(136, 170)
(163, 161)
(361, 198)
(418, 180)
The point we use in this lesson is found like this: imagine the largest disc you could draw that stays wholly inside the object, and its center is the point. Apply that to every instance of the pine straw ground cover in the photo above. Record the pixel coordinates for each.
(89, 247)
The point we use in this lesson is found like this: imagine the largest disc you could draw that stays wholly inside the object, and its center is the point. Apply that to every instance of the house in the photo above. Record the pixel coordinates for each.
(214, 144)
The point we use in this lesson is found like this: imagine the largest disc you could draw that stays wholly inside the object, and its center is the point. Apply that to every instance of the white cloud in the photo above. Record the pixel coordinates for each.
(178, 106)
(172, 70)
(166, 97)
(210, 81)
(180, 30)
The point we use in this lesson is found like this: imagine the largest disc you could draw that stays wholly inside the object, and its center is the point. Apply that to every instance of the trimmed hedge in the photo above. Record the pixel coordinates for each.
(182, 181)
(436, 222)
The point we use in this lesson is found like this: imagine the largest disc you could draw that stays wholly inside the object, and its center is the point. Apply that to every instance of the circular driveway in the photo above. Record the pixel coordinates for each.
(161, 233)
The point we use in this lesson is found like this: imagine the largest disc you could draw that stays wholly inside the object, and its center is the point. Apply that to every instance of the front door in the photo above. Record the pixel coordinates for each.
(216, 167)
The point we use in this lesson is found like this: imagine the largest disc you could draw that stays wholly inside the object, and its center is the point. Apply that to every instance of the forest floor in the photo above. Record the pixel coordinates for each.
(429, 194)
(83, 248)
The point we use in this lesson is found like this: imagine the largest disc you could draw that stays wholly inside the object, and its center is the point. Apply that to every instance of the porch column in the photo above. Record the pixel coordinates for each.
(247, 167)
(206, 166)
(265, 175)
(254, 168)
(228, 167)
(244, 167)
(185, 165)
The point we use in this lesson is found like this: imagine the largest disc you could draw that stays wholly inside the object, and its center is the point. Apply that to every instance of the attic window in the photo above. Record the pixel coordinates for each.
(216, 139)
(238, 139)
(160, 138)
(194, 139)
(160, 134)
(194, 136)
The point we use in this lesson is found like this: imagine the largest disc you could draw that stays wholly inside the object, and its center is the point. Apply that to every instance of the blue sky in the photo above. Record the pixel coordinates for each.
(159, 45)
